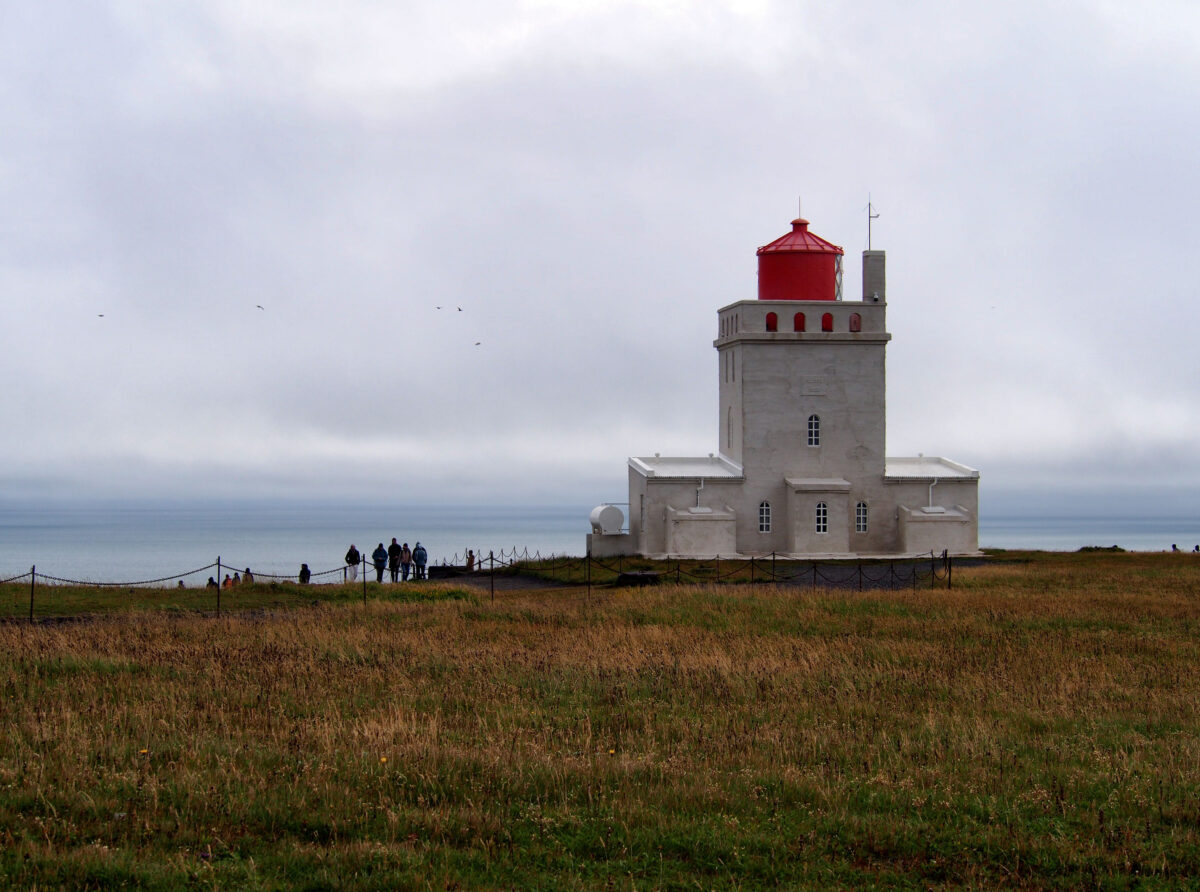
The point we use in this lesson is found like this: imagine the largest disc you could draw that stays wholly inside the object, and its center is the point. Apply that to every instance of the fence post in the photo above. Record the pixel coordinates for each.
(772, 566)
(345, 578)
(932, 570)
(718, 579)
(678, 564)
(218, 585)
(32, 584)
(913, 568)
(860, 576)
(752, 579)
(814, 574)
(588, 559)
(949, 572)
(362, 558)
(492, 574)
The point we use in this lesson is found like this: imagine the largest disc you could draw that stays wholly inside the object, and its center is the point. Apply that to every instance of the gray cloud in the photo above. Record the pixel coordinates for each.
(589, 184)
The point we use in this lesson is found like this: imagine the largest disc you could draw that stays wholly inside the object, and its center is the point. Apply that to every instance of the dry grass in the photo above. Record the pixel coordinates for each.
(1034, 726)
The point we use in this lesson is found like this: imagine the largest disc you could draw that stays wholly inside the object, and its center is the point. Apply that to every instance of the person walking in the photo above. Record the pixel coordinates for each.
(394, 552)
(420, 556)
(470, 561)
(379, 559)
(305, 574)
(353, 559)
(405, 561)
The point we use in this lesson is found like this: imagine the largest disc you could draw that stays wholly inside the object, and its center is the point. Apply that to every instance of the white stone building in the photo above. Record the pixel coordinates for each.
(800, 467)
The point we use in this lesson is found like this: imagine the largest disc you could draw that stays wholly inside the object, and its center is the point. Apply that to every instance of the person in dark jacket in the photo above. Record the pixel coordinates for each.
(305, 574)
(394, 553)
(353, 559)
(420, 556)
(379, 559)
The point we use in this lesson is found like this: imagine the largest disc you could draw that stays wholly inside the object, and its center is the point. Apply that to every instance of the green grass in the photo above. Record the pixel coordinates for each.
(72, 600)
(1035, 726)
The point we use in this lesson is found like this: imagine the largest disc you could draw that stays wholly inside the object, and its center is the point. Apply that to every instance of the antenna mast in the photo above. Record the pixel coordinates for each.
(871, 215)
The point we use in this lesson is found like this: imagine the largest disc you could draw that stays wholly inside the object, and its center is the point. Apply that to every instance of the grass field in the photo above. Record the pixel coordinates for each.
(1034, 726)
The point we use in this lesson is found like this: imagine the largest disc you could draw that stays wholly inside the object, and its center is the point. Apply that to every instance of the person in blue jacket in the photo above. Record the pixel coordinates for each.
(379, 559)
(420, 556)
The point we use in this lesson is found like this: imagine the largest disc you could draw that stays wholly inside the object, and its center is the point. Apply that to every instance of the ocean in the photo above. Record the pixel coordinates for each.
(137, 542)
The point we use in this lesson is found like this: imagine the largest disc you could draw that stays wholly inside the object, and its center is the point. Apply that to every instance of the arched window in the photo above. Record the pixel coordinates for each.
(772, 322)
(827, 322)
(764, 517)
(798, 322)
(814, 430)
(855, 322)
(860, 517)
(822, 517)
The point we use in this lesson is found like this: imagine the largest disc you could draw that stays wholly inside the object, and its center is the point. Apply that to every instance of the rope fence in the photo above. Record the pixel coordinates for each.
(564, 572)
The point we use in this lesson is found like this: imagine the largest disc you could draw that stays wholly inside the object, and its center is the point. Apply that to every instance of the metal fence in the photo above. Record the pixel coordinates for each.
(591, 572)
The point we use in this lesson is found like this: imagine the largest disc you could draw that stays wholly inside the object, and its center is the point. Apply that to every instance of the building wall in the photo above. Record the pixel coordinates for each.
(770, 383)
(953, 493)
(679, 494)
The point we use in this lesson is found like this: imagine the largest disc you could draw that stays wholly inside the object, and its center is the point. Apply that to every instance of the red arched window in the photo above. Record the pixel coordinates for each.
(855, 322)
(827, 322)
(798, 322)
(772, 322)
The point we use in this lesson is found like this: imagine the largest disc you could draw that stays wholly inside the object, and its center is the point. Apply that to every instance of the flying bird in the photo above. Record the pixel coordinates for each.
(459, 309)
(477, 343)
(260, 306)
(437, 308)
(101, 315)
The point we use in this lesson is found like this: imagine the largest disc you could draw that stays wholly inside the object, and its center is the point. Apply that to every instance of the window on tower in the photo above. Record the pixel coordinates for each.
(814, 430)
(772, 322)
(855, 322)
(764, 517)
(827, 322)
(822, 517)
(798, 322)
(860, 517)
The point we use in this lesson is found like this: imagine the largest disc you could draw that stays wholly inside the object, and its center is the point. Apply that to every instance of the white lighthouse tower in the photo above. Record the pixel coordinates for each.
(800, 467)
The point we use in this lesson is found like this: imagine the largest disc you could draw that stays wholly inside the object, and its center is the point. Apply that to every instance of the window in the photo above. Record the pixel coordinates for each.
(798, 322)
(772, 322)
(860, 517)
(822, 517)
(764, 517)
(827, 322)
(814, 430)
(855, 322)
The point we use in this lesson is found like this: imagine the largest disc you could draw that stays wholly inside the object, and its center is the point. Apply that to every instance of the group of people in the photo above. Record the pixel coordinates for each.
(399, 560)
(229, 582)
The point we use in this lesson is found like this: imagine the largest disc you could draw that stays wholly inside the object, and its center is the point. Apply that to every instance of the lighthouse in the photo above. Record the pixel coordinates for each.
(800, 467)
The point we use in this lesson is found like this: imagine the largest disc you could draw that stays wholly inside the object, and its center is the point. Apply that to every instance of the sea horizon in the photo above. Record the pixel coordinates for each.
(145, 539)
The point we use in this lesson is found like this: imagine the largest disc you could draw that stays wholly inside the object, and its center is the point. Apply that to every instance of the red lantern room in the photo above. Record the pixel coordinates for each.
(800, 266)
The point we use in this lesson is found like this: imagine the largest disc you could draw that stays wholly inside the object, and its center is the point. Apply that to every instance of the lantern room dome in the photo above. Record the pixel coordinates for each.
(800, 266)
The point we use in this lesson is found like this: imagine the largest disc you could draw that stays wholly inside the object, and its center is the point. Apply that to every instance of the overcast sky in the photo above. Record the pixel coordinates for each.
(588, 181)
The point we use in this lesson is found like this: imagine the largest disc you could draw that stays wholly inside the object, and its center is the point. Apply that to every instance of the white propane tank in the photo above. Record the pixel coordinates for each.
(607, 520)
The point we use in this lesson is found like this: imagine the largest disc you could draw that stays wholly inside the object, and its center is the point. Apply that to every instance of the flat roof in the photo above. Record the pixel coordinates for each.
(686, 467)
(926, 467)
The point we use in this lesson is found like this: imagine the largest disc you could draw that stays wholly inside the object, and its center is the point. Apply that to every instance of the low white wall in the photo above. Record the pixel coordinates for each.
(613, 545)
(953, 531)
(707, 534)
